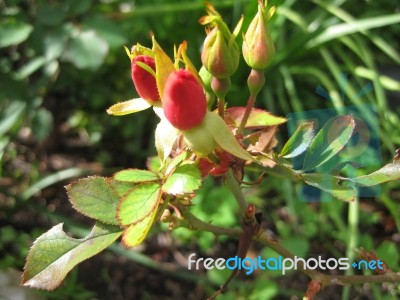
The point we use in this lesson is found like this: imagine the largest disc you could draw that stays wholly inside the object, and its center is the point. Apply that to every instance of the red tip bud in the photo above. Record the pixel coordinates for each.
(184, 101)
(144, 81)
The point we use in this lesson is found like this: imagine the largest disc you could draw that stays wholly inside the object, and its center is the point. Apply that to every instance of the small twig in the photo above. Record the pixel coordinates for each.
(250, 228)
(194, 223)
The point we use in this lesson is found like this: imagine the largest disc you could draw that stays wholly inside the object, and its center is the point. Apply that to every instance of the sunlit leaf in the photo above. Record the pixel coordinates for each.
(138, 203)
(176, 161)
(94, 197)
(87, 50)
(135, 175)
(54, 254)
(343, 29)
(389, 172)
(185, 179)
(299, 141)
(128, 107)
(330, 184)
(257, 118)
(13, 33)
(136, 233)
(332, 138)
(106, 28)
(10, 115)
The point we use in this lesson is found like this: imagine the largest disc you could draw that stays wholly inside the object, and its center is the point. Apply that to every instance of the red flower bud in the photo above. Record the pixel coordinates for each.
(184, 101)
(144, 81)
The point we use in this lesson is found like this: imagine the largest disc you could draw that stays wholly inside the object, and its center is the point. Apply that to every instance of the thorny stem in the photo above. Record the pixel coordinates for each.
(264, 238)
(196, 224)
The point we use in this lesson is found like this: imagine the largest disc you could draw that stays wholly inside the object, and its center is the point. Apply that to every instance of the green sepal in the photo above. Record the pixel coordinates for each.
(128, 107)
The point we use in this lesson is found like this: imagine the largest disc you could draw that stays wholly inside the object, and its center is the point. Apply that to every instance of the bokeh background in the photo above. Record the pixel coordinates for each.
(62, 64)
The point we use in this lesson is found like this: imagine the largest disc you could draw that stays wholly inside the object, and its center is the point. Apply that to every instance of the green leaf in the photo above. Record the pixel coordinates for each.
(54, 254)
(343, 29)
(56, 41)
(176, 161)
(128, 107)
(10, 115)
(135, 176)
(78, 7)
(257, 118)
(87, 50)
(330, 184)
(120, 188)
(185, 179)
(389, 252)
(94, 197)
(140, 202)
(387, 173)
(31, 67)
(299, 141)
(14, 33)
(42, 124)
(51, 14)
(329, 141)
(136, 233)
(106, 28)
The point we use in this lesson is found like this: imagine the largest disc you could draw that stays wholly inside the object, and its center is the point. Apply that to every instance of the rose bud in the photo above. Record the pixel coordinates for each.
(184, 102)
(258, 48)
(143, 77)
(220, 54)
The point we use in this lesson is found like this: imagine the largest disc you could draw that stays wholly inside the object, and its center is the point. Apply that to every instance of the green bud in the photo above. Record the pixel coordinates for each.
(220, 54)
(258, 48)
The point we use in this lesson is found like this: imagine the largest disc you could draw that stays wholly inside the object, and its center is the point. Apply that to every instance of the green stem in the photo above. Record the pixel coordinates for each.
(352, 241)
(220, 87)
(249, 107)
(265, 239)
(255, 82)
(221, 107)
(194, 223)
(236, 190)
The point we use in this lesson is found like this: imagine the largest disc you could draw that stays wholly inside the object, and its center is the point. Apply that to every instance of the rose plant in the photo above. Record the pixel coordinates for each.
(193, 141)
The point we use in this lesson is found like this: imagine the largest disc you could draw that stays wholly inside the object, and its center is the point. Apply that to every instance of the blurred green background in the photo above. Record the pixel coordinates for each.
(62, 64)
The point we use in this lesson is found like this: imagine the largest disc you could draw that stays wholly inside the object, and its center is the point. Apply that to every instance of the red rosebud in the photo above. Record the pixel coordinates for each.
(144, 81)
(184, 101)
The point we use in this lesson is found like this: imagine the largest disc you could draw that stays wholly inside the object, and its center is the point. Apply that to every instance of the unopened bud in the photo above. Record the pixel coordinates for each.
(184, 101)
(258, 48)
(143, 77)
(220, 54)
